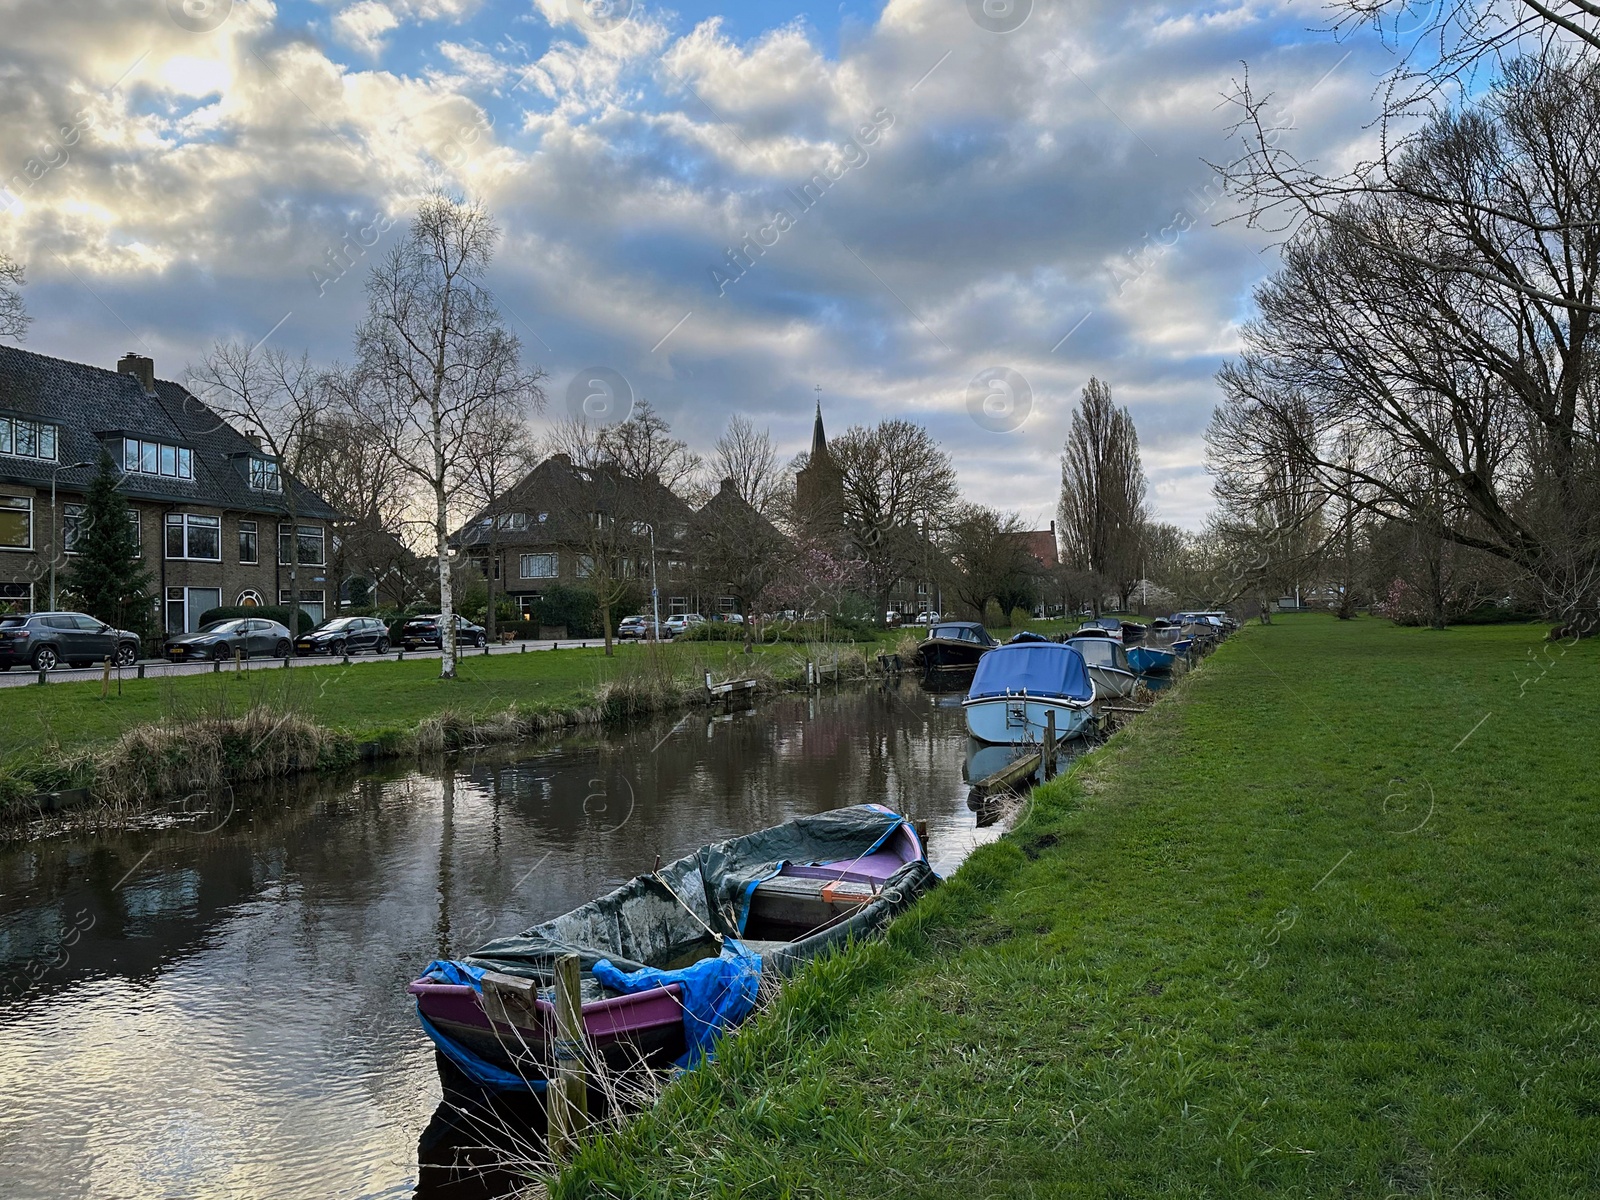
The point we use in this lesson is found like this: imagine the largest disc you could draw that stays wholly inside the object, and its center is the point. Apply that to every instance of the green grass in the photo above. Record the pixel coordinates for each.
(1322, 923)
(367, 700)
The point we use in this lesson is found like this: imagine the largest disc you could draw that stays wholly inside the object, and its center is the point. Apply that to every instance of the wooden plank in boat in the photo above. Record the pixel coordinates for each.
(795, 901)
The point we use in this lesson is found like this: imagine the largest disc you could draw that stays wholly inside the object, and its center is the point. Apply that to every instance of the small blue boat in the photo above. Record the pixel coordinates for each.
(1154, 660)
(1016, 688)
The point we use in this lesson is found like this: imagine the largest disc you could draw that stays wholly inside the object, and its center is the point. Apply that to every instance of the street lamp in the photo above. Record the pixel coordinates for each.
(655, 592)
(55, 524)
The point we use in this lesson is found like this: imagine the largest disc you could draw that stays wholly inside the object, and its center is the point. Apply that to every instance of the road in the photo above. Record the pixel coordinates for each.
(158, 668)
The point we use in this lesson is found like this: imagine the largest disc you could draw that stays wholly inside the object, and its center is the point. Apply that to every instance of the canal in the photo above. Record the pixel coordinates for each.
(212, 1003)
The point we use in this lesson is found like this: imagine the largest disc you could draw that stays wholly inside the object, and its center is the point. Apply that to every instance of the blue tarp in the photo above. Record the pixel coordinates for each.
(718, 993)
(1040, 669)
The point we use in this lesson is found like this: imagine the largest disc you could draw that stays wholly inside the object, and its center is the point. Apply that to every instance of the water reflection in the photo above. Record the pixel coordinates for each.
(217, 1007)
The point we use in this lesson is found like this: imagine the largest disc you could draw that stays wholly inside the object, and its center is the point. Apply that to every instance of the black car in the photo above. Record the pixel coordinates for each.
(44, 641)
(252, 637)
(345, 635)
(424, 631)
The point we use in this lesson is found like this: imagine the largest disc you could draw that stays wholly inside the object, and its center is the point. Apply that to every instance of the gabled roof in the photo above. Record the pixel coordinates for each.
(1041, 544)
(567, 494)
(729, 510)
(87, 402)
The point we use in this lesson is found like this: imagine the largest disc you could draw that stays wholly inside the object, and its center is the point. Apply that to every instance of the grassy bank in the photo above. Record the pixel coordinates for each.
(1319, 924)
(152, 736)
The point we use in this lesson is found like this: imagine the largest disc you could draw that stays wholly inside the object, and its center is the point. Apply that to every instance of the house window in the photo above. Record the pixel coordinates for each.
(247, 542)
(16, 523)
(71, 527)
(157, 458)
(727, 604)
(513, 521)
(313, 604)
(311, 544)
(585, 566)
(264, 476)
(678, 605)
(539, 566)
(27, 439)
(190, 536)
(249, 598)
(16, 597)
(185, 607)
(543, 517)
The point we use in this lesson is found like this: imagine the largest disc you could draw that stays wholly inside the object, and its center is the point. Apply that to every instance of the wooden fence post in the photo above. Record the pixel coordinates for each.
(1049, 743)
(567, 1099)
(105, 680)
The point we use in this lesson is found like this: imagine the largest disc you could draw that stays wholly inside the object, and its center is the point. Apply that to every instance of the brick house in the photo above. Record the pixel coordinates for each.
(550, 527)
(207, 502)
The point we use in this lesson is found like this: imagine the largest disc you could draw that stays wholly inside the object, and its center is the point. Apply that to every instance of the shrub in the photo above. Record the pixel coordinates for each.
(993, 615)
(264, 613)
(1019, 619)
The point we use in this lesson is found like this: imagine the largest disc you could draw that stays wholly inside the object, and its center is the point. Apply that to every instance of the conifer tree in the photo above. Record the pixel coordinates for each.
(107, 576)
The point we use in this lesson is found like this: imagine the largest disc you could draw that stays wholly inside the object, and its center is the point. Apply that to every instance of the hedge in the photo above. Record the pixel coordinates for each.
(260, 612)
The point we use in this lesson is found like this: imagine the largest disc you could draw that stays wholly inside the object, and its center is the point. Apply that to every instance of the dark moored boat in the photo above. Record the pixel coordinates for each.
(672, 958)
(954, 645)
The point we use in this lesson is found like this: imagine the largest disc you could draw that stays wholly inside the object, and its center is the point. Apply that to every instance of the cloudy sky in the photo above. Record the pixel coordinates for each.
(1007, 191)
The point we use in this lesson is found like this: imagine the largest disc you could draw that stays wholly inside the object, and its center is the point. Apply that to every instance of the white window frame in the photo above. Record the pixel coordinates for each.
(526, 561)
(183, 521)
(136, 452)
(266, 475)
(317, 531)
(25, 600)
(20, 504)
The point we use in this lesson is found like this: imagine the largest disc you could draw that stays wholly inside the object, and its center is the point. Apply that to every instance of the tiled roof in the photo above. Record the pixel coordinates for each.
(84, 402)
(1041, 543)
(567, 495)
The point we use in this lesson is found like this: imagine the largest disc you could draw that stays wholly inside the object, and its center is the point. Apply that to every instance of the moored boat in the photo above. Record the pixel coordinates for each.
(954, 646)
(1018, 687)
(1153, 660)
(1101, 627)
(1109, 665)
(674, 957)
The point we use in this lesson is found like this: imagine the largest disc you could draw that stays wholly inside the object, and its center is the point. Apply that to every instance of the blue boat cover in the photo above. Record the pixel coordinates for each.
(718, 993)
(1038, 668)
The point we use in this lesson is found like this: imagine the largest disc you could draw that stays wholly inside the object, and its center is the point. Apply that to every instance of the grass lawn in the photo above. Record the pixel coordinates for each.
(365, 699)
(1321, 924)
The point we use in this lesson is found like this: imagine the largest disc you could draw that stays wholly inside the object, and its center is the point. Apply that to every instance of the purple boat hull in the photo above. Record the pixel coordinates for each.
(646, 1029)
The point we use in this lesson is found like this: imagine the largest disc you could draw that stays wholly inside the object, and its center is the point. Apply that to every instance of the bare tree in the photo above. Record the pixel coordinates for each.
(988, 557)
(899, 492)
(436, 354)
(357, 472)
(1102, 511)
(1451, 327)
(13, 314)
(501, 450)
(279, 399)
(748, 456)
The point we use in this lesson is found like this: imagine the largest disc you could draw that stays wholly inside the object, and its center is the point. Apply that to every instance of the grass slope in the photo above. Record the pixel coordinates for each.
(1290, 935)
(364, 699)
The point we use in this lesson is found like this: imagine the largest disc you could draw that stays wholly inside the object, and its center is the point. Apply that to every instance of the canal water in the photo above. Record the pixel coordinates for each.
(213, 1004)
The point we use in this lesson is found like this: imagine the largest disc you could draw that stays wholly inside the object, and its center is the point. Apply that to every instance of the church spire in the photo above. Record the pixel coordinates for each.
(819, 439)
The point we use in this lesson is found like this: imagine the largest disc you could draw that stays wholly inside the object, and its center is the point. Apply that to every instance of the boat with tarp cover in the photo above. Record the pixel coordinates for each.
(674, 957)
(954, 646)
(1017, 686)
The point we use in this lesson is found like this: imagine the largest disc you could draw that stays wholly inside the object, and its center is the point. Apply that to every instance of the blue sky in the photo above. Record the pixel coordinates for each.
(1028, 203)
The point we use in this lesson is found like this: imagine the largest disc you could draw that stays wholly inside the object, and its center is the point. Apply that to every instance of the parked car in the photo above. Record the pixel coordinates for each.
(424, 631)
(927, 618)
(730, 618)
(345, 635)
(683, 622)
(44, 641)
(250, 636)
(637, 627)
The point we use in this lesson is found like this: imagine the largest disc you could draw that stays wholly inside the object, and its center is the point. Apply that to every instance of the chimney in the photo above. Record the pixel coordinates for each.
(255, 439)
(141, 368)
(728, 485)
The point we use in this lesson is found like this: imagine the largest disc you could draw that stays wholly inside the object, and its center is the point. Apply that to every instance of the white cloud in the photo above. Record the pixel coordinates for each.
(365, 25)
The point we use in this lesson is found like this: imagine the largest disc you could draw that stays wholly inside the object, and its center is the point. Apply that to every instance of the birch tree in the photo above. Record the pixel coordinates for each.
(435, 354)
